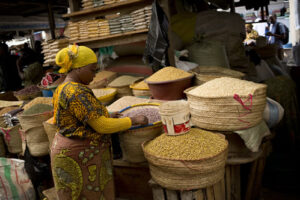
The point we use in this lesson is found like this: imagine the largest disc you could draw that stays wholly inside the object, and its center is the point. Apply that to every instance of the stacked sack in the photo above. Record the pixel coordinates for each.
(139, 19)
(227, 104)
(31, 121)
(74, 30)
(92, 26)
(87, 4)
(98, 3)
(103, 27)
(46, 51)
(115, 26)
(83, 31)
(108, 2)
(54, 47)
(148, 14)
(193, 156)
(126, 23)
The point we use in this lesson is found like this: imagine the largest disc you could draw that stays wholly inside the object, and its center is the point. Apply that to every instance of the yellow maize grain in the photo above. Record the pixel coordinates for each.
(168, 74)
(195, 145)
(141, 85)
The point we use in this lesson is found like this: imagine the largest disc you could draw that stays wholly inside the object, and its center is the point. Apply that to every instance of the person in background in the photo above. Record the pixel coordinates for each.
(251, 34)
(276, 34)
(9, 78)
(81, 156)
(29, 68)
(38, 50)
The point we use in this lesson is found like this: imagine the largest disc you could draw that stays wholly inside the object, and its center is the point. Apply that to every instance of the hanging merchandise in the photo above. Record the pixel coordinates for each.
(208, 53)
(106, 55)
(157, 42)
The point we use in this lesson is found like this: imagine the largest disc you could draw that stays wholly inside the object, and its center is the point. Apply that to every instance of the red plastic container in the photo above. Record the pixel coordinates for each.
(170, 90)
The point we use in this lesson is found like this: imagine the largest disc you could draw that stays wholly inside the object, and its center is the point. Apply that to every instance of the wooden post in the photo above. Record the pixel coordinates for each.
(232, 7)
(74, 5)
(51, 19)
(262, 13)
(267, 11)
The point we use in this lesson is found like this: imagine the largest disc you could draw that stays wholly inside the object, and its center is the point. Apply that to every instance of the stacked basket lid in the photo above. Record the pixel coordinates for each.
(122, 84)
(141, 89)
(204, 74)
(227, 104)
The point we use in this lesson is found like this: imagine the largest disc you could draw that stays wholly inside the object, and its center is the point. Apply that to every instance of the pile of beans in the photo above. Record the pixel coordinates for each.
(151, 112)
(38, 108)
(194, 145)
(38, 100)
(168, 74)
(28, 90)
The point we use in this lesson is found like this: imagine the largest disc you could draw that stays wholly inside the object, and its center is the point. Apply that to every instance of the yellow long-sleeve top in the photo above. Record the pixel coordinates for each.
(78, 113)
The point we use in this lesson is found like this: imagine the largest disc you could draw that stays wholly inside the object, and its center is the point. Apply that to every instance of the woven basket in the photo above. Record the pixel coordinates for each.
(131, 141)
(50, 130)
(204, 74)
(187, 175)
(123, 91)
(105, 95)
(141, 93)
(226, 114)
(36, 137)
(12, 139)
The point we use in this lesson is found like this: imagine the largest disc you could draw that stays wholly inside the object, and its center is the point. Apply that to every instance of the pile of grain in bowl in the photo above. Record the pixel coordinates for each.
(151, 112)
(194, 145)
(168, 74)
(225, 86)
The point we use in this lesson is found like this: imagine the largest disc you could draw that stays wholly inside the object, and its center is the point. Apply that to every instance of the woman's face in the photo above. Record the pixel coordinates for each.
(87, 73)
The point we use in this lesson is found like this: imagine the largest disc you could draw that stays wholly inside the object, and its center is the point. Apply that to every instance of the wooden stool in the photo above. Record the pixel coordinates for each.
(215, 192)
(233, 173)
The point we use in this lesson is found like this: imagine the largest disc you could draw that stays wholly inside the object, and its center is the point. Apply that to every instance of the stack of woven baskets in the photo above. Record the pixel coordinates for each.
(122, 84)
(193, 156)
(227, 104)
(141, 89)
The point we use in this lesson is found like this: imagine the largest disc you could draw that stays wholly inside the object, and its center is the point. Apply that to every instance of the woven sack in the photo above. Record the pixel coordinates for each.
(204, 74)
(35, 135)
(131, 141)
(12, 139)
(50, 130)
(227, 113)
(186, 174)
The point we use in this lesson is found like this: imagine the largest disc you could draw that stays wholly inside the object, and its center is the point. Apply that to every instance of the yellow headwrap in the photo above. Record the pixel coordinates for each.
(74, 57)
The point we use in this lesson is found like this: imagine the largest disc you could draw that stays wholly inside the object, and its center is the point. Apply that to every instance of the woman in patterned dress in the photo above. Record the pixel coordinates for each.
(81, 157)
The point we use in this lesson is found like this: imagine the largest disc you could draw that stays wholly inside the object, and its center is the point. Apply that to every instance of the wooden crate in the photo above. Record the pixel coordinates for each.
(215, 192)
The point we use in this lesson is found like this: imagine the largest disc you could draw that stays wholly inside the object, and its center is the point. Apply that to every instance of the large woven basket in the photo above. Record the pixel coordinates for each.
(105, 95)
(204, 74)
(226, 114)
(186, 174)
(141, 93)
(36, 137)
(12, 139)
(50, 130)
(131, 141)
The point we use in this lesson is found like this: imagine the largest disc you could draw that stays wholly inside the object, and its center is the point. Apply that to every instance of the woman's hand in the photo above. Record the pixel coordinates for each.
(139, 120)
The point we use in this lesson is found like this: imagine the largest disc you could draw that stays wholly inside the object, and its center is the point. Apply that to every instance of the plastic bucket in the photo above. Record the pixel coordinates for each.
(175, 116)
(47, 93)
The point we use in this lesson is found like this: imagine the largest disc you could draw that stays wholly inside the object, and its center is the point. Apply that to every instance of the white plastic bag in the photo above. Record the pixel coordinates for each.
(273, 113)
(14, 181)
(184, 65)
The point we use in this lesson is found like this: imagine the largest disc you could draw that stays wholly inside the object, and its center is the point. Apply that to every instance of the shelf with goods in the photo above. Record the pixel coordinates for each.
(116, 29)
(117, 39)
